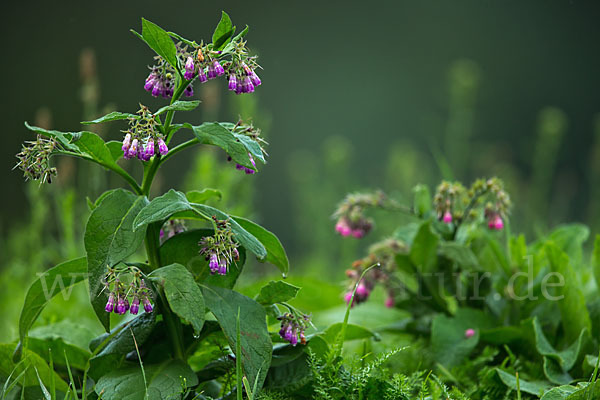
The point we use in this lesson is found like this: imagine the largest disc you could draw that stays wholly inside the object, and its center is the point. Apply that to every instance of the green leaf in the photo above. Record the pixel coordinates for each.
(64, 138)
(200, 196)
(423, 252)
(276, 292)
(109, 239)
(116, 149)
(161, 208)
(77, 356)
(159, 41)
(163, 381)
(223, 32)
(422, 200)
(252, 146)
(449, 343)
(183, 249)
(566, 358)
(46, 286)
(461, 254)
(353, 332)
(574, 313)
(216, 134)
(566, 392)
(535, 388)
(30, 363)
(91, 144)
(179, 105)
(190, 43)
(275, 252)
(241, 34)
(183, 294)
(596, 260)
(122, 343)
(555, 373)
(113, 116)
(570, 238)
(255, 338)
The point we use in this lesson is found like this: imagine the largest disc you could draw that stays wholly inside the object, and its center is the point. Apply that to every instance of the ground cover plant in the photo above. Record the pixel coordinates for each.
(465, 309)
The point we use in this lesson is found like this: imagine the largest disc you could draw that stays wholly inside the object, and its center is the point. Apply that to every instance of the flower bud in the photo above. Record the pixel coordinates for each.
(389, 302)
(232, 82)
(126, 143)
(469, 333)
(219, 70)
(202, 76)
(162, 147)
(213, 263)
(255, 79)
(447, 218)
(247, 86)
(149, 149)
(110, 304)
(135, 306)
(189, 69)
(147, 305)
(211, 71)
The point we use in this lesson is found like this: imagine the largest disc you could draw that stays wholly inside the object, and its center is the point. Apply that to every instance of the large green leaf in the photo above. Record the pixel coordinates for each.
(461, 254)
(91, 144)
(183, 249)
(112, 116)
(46, 286)
(159, 41)
(30, 362)
(423, 252)
(573, 311)
(217, 134)
(223, 32)
(200, 196)
(172, 202)
(449, 343)
(422, 200)
(64, 138)
(255, 340)
(570, 238)
(164, 381)
(275, 252)
(109, 239)
(59, 348)
(581, 392)
(183, 294)
(179, 105)
(276, 292)
(565, 358)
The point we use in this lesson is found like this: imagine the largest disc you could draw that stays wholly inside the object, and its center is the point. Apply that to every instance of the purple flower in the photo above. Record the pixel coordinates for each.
(469, 333)
(447, 218)
(110, 304)
(213, 263)
(212, 73)
(294, 338)
(222, 266)
(150, 81)
(255, 79)
(149, 149)
(189, 91)
(343, 227)
(122, 305)
(236, 254)
(126, 144)
(133, 149)
(239, 87)
(247, 86)
(202, 76)
(219, 70)
(232, 82)
(162, 147)
(147, 305)
(189, 69)
(135, 306)
(157, 89)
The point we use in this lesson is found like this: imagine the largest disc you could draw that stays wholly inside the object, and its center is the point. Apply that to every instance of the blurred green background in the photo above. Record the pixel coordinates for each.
(354, 95)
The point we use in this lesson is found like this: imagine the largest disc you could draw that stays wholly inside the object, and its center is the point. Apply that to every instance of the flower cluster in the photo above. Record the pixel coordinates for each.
(34, 159)
(293, 327)
(220, 249)
(252, 133)
(382, 253)
(205, 63)
(171, 228)
(350, 214)
(454, 203)
(142, 139)
(120, 292)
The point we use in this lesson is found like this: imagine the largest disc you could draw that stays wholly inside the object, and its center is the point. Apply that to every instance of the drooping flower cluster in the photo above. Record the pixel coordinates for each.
(220, 249)
(142, 140)
(249, 132)
(205, 62)
(34, 159)
(171, 228)
(293, 327)
(382, 253)
(454, 203)
(351, 220)
(120, 292)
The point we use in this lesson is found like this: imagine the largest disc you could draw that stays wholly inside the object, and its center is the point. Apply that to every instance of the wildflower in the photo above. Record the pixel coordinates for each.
(202, 76)
(149, 149)
(150, 81)
(447, 218)
(162, 147)
(219, 70)
(189, 91)
(126, 143)
(213, 263)
(220, 250)
(495, 222)
(232, 82)
(122, 304)
(135, 305)
(255, 79)
(110, 304)
(292, 328)
(247, 86)
(189, 69)
(212, 73)
(132, 152)
(389, 301)
(342, 227)
(469, 333)
(147, 305)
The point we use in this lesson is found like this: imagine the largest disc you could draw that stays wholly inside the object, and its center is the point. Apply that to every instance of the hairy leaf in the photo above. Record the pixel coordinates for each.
(276, 292)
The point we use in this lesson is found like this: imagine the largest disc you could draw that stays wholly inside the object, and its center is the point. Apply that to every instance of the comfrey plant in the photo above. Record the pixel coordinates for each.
(185, 273)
